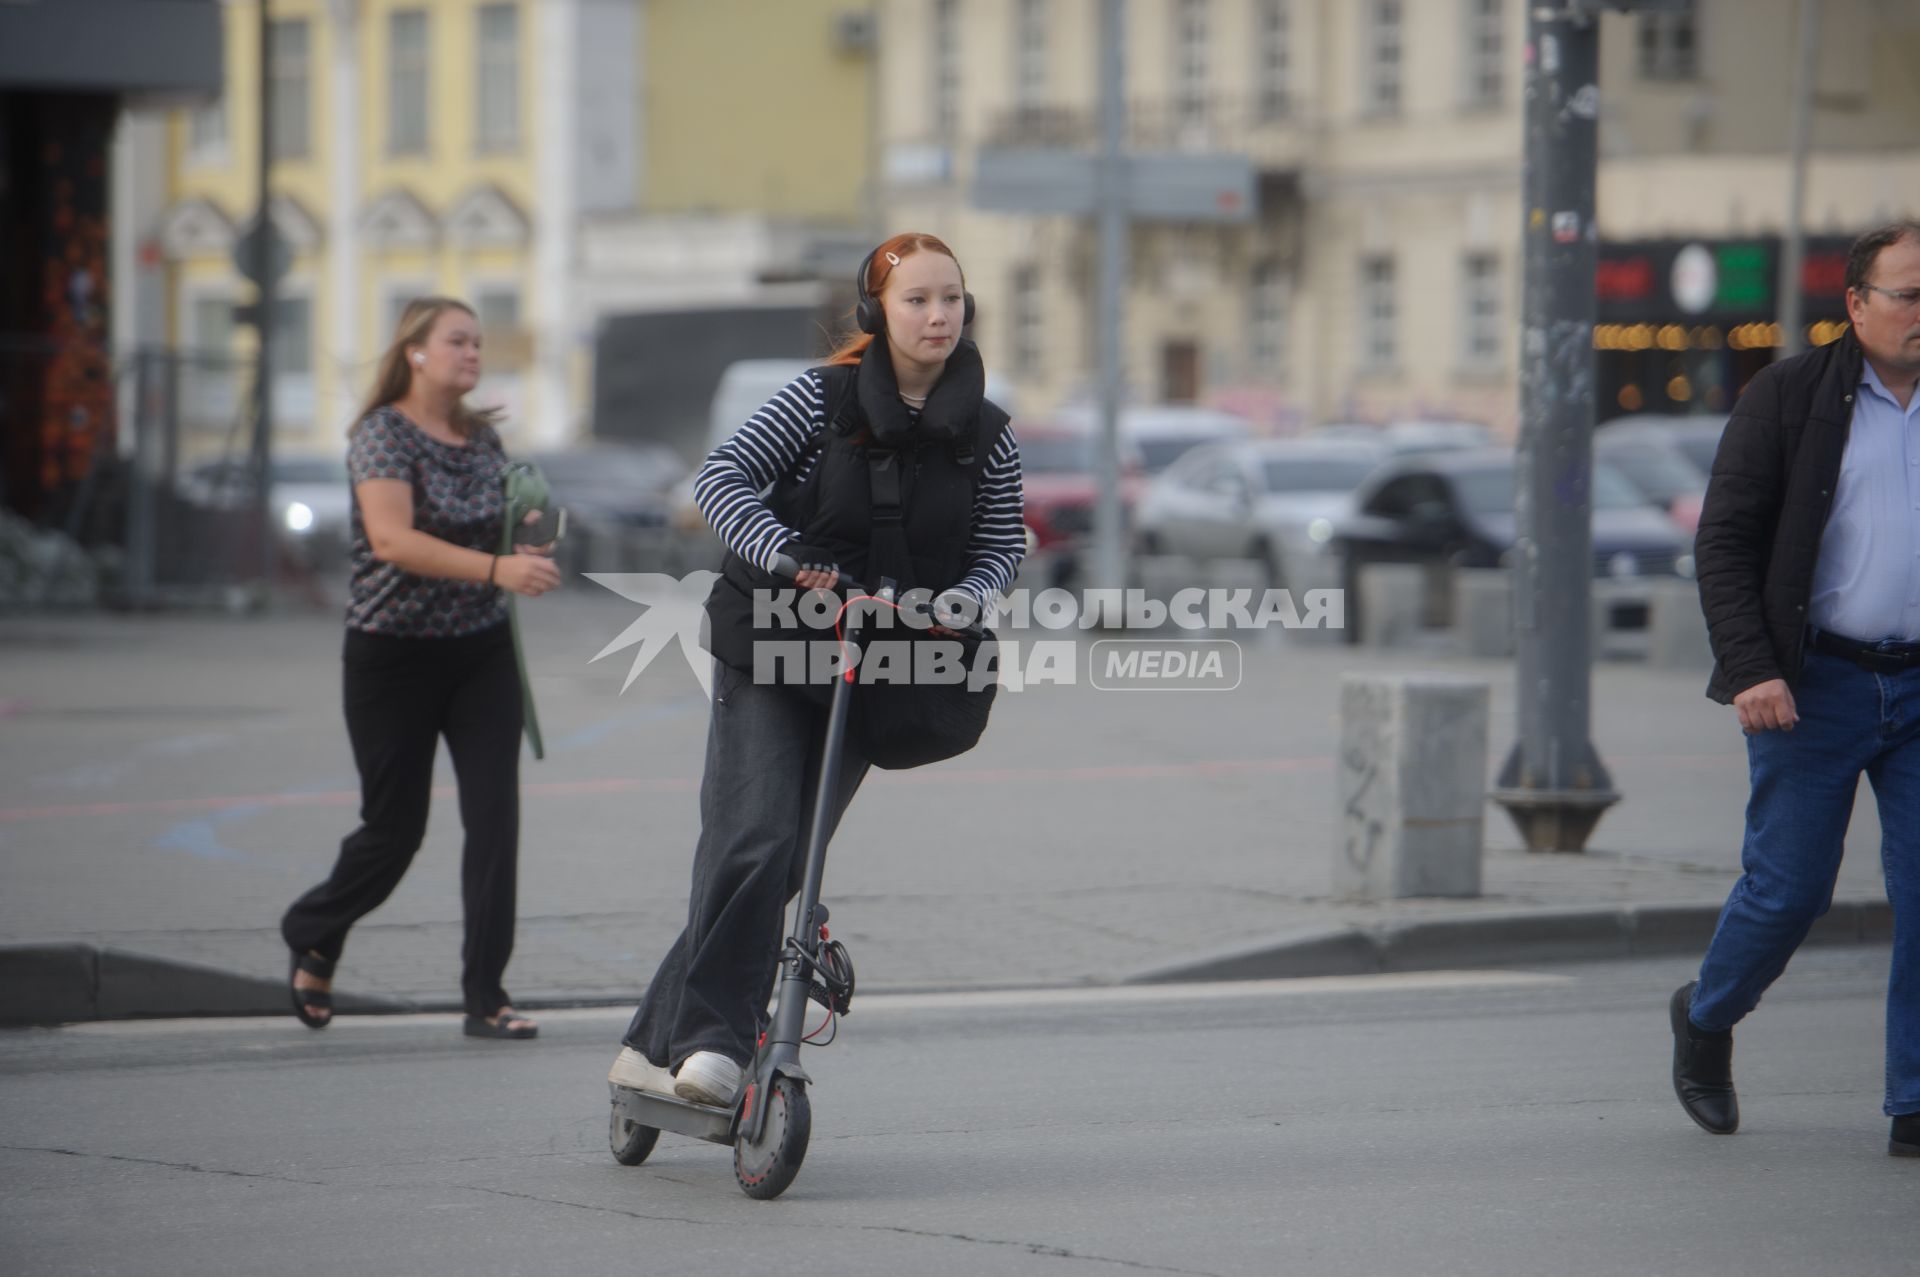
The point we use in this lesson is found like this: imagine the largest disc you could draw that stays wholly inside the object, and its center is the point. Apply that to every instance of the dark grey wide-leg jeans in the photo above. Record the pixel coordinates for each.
(764, 749)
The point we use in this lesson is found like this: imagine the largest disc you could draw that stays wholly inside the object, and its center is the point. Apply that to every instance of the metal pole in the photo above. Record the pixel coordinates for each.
(1553, 784)
(1108, 567)
(1794, 242)
(263, 278)
(875, 210)
(144, 480)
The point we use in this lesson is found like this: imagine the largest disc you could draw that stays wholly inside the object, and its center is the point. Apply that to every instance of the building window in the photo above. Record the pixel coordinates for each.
(293, 379)
(290, 71)
(1190, 63)
(1273, 59)
(1480, 300)
(210, 325)
(1025, 330)
(293, 337)
(1383, 74)
(1486, 52)
(1379, 322)
(1030, 54)
(1670, 45)
(499, 68)
(1267, 322)
(407, 82)
(946, 69)
(207, 133)
(209, 390)
(498, 306)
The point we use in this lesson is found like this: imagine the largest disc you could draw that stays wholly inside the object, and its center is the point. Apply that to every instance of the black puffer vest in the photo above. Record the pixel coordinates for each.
(939, 457)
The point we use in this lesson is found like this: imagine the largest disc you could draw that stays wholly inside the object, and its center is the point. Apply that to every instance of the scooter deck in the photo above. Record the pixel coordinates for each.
(665, 1113)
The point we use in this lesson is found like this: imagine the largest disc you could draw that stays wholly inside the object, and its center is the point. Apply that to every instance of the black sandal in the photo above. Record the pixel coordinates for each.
(305, 1001)
(498, 1025)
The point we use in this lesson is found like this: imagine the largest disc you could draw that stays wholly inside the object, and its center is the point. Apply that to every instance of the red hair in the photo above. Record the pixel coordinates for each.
(902, 246)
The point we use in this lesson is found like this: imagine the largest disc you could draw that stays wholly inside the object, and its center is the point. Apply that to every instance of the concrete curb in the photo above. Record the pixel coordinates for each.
(60, 983)
(64, 983)
(1500, 939)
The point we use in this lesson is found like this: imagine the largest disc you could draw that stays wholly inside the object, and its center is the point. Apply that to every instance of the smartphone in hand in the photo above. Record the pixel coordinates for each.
(547, 529)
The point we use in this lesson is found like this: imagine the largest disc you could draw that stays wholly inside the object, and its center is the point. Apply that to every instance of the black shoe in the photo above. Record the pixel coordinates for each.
(1905, 1139)
(1703, 1069)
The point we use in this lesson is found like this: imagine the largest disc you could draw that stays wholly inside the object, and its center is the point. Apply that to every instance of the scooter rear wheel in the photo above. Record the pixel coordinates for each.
(765, 1169)
(630, 1141)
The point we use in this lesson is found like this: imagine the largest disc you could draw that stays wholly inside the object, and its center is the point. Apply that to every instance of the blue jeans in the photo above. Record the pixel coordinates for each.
(1851, 721)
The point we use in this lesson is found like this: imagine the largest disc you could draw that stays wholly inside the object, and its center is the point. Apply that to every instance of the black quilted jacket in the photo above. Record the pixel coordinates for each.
(1766, 508)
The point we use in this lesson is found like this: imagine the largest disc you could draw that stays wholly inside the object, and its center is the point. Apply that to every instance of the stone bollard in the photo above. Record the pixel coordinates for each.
(1677, 628)
(1392, 603)
(1483, 613)
(1411, 797)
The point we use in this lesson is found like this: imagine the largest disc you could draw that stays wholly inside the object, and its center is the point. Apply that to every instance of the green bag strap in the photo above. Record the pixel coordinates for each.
(525, 490)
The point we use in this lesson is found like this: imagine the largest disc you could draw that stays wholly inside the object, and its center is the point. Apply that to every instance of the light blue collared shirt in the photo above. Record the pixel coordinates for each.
(1866, 584)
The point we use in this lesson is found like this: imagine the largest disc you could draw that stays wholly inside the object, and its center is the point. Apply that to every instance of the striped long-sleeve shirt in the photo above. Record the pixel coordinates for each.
(787, 436)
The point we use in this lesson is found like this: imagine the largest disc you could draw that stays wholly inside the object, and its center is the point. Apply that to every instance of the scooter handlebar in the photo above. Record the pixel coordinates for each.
(787, 566)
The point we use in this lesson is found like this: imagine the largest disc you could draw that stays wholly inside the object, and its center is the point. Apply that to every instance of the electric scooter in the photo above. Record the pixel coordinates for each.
(770, 1120)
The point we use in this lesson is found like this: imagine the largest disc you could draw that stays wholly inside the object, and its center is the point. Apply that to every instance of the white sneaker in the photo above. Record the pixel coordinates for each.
(707, 1078)
(635, 1072)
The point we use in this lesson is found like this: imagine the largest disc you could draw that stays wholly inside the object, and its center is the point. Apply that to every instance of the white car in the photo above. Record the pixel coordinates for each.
(1275, 500)
(744, 386)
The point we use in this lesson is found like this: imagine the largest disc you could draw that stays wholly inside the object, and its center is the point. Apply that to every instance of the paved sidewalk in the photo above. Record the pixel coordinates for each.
(169, 784)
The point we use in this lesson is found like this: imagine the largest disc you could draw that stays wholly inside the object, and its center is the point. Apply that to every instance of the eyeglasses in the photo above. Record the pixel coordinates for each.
(1905, 297)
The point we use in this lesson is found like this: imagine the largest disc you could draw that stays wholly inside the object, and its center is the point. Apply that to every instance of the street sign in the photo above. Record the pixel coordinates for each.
(1171, 186)
(246, 251)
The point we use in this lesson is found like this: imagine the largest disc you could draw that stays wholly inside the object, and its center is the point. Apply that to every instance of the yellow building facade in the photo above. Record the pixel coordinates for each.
(493, 150)
(403, 164)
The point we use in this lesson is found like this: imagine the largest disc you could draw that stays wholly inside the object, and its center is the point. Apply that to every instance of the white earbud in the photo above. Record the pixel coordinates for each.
(419, 360)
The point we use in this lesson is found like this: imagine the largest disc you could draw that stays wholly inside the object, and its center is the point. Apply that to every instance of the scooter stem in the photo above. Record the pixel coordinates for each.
(789, 1016)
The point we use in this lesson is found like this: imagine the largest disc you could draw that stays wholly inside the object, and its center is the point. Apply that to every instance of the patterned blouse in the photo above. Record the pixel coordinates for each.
(456, 497)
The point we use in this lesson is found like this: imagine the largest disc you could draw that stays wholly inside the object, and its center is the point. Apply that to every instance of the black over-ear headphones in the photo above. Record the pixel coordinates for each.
(868, 314)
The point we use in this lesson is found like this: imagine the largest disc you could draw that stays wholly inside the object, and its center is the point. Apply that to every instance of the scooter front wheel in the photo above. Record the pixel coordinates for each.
(765, 1169)
(630, 1141)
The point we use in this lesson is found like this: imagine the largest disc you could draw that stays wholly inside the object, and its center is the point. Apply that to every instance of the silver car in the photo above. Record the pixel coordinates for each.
(1271, 500)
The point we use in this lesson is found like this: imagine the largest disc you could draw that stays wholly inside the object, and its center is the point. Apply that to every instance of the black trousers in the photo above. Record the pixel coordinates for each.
(402, 695)
(764, 750)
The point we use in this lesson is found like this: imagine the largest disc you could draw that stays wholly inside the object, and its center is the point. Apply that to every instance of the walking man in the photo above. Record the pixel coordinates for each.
(1809, 568)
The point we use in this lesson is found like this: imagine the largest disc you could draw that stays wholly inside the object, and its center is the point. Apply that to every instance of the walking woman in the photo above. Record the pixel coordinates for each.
(908, 381)
(428, 654)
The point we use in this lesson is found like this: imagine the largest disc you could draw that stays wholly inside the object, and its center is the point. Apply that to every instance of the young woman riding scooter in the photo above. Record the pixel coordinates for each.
(915, 385)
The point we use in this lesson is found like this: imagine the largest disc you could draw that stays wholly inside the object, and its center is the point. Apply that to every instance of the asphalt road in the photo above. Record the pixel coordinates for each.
(1498, 1122)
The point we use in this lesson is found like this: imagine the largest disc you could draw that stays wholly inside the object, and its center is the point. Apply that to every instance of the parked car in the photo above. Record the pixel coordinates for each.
(1060, 480)
(1696, 436)
(1663, 474)
(309, 500)
(616, 483)
(1405, 438)
(1456, 509)
(1160, 433)
(1271, 500)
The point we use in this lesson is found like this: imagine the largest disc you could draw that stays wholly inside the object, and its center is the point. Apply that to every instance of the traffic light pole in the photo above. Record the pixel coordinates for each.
(263, 278)
(1553, 784)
